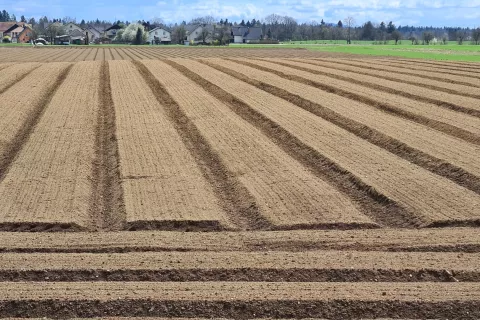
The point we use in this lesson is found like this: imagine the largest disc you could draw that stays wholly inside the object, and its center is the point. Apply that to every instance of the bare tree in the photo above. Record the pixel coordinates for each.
(396, 36)
(157, 22)
(427, 37)
(476, 36)
(202, 20)
(349, 22)
(274, 20)
(289, 26)
(178, 34)
(461, 35)
(205, 34)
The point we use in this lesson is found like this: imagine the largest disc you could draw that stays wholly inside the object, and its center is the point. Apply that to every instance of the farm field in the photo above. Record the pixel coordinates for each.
(237, 183)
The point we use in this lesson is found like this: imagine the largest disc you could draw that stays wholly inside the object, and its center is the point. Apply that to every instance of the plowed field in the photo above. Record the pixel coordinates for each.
(237, 183)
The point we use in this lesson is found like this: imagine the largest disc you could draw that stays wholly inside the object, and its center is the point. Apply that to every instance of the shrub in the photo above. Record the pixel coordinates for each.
(6, 39)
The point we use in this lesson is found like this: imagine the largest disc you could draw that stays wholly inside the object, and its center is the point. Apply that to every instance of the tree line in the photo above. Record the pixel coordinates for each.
(283, 28)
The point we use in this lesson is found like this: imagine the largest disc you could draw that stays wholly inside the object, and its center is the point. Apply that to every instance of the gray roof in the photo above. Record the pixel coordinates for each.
(239, 31)
(254, 33)
(191, 27)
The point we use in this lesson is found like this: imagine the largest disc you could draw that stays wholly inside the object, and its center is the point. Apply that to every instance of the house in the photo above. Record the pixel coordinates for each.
(238, 32)
(71, 27)
(92, 33)
(195, 33)
(112, 31)
(159, 36)
(246, 34)
(19, 32)
(4, 26)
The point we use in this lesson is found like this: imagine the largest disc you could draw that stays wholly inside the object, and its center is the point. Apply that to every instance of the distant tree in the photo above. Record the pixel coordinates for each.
(476, 36)
(445, 38)
(396, 35)
(412, 38)
(349, 23)
(156, 22)
(368, 31)
(390, 27)
(382, 27)
(340, 24)
(221, 21)
(178, 34)
(23, 19)
(269, 34)
(138, 36)
(461, 35)
(427, 36)
(322, 22)
(253, 23)
(203, 20)
(242, 23)
(204, 35)
(32, 21)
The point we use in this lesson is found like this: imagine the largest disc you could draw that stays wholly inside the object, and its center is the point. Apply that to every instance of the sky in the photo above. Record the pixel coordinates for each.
(461, 13)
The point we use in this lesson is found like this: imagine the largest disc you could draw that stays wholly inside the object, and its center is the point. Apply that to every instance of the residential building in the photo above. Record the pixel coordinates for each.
(246, 34)
(200, 33)
(112, 31)
(19, 32)
(93, 34)
(159, 36)
(4, 26)
(71, 28)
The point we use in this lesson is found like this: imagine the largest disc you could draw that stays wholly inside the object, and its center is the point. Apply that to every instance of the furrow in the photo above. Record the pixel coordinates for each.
(107, 207)
(467, 75)
(398, 240)
(409, 92)
(15, 74)
(164, 186)
(251, 299)
(382, 74)
(305, 98)
(236, 200)
(398, 70)
(372, 165)
(319, 208)
(420, 118)
(438, 68)
(462, 64)
(273, 266)
(17, 135)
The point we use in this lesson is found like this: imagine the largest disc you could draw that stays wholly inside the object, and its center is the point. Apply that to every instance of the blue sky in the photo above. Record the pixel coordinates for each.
(465, 13)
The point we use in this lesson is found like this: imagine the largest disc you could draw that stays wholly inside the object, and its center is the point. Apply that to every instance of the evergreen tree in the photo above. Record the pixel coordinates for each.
(390, 27)
(322, 22)
(248, 24)
(340, 24)
(221, 21)
(382, 27)
(139, 36)
(242, 23)
(23, 19)
(269, 34)
(13, 18)
(254, 22)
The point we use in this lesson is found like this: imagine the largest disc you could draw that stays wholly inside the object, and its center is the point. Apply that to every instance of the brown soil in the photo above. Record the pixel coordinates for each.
(354, 195)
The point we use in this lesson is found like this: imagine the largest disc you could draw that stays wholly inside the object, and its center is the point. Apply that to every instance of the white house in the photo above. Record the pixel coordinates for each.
(71, 28)
(246, 34)
(93, 34)
(159, 36)
(194, 33)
